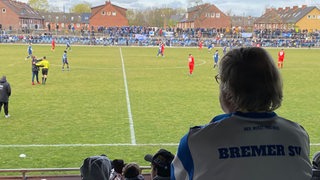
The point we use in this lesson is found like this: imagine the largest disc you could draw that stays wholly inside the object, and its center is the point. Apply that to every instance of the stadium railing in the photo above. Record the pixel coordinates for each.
(46, 173)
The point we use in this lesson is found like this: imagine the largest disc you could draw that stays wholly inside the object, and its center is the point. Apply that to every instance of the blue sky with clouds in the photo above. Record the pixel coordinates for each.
(235, 7)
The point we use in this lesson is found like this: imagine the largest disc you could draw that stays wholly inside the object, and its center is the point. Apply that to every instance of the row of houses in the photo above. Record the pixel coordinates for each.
(18, 15)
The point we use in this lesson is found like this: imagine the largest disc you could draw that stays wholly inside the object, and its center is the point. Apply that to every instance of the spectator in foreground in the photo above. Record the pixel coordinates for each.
(96, 168)
(316, 160)
(316, 166)
(117, 167)
(160, 164)
(132, 171)
(249, 141)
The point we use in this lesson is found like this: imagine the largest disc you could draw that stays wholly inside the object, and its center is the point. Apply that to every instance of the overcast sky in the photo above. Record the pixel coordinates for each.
(236, 7)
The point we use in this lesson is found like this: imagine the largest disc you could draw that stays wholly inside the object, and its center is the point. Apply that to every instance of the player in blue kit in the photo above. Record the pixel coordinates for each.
(224, 50)
(210, 47)
(29, 50)
(249, 141)
(65, 61)
(68, 44)
(215, 59)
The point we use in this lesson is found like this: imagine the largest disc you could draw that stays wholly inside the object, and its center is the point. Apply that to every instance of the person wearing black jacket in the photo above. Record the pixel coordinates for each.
(35, 69)
(5, 92)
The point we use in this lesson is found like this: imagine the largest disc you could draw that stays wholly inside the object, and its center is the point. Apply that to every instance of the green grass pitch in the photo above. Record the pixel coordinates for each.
(126, 102)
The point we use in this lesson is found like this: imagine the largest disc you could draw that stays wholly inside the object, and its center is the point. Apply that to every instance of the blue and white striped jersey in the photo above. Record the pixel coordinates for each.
(244, 146)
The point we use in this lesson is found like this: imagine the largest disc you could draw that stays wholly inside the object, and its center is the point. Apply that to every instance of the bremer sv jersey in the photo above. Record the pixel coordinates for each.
(244, 146)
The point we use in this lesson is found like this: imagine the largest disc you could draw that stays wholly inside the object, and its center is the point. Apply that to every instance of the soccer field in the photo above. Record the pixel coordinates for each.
(126, 102)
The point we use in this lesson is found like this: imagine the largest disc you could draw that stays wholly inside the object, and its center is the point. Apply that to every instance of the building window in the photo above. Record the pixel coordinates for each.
(217, 15)
(103, 13)
(318, 16)
(213, 15)
(23, 11)
(313, 16)
(72, 18)
(108, 13)
(114, 13)
(309, 16)
(4, 10)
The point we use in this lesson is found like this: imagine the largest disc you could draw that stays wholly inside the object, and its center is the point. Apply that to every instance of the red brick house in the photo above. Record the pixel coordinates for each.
(65, 21)
(108, 15)
(16, 15)
(205, 16)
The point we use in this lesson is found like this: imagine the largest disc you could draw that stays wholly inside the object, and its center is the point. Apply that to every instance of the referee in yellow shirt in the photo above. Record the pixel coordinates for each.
(45, 68)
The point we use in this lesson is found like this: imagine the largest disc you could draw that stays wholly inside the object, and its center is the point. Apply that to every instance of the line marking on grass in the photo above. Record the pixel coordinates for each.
(82, 145)
(95, 145)
(132, 133)
(202, 62)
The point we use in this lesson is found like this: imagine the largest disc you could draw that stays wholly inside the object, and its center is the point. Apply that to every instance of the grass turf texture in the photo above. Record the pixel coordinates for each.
(87, 105)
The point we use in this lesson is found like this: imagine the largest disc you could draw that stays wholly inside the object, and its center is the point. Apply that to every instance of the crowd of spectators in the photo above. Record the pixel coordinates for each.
(102, 168)
(151, 36)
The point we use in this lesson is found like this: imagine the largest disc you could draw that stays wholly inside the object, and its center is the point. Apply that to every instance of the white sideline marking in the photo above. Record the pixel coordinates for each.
(94, 145)
(81, 145)
(133, 137)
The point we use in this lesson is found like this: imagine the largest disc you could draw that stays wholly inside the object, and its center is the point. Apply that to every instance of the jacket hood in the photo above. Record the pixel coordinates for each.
(3, 79)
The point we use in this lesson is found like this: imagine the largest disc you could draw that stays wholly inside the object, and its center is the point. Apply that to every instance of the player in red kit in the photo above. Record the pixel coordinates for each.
(162, 49)
(191, 63)
(280, 59)
(200, 45)
(53, 44)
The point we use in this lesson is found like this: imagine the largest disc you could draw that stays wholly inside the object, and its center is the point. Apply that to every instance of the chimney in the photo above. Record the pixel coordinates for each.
(280, 9)
(304, 6)
(287, 8)
(268, 10)
(295, 7)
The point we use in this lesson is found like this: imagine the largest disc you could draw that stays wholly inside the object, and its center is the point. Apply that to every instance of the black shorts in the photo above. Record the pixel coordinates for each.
(65, 61)
(45, 71)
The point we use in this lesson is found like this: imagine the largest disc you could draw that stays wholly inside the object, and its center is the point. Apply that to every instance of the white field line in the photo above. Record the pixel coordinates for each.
(133, 137)
(93, 145)
(81, 145)
(202, 62)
